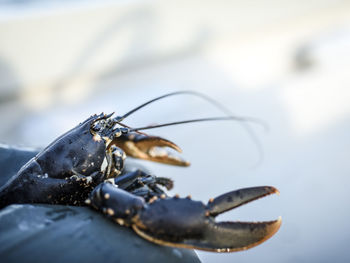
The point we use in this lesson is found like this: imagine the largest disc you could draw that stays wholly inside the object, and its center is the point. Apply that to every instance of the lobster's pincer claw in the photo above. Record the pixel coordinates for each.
(150, 148)
(181, 222)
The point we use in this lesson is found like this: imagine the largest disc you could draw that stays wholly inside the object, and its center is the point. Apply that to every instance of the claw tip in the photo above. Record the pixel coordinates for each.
(273, 190)
(278, 224)
(275, 225)
(279, 220)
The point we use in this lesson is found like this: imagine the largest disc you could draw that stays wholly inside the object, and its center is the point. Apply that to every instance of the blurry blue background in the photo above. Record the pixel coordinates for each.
(285, 62)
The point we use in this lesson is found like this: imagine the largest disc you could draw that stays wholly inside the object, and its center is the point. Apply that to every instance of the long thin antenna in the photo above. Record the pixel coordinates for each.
(210, 100)
(228, 118)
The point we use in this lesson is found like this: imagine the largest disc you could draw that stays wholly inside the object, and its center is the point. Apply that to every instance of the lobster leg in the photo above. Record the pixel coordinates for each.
(125, 180)
(148, 192)
(136, 178)
(142, 184)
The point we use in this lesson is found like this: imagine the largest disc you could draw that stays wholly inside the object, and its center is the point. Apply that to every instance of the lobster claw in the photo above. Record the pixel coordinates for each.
(181, 222)
(150, 148)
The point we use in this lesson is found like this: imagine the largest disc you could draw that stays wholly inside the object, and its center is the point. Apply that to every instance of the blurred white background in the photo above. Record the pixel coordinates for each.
(285, 62)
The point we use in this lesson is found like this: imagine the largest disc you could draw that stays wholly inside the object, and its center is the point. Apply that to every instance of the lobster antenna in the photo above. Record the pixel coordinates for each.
(197, 94)
(228, 118)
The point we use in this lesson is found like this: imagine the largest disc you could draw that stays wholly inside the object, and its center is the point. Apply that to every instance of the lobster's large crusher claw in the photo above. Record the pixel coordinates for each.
(182, 222)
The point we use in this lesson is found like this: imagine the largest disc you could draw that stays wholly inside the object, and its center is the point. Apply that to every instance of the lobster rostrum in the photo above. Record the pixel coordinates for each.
(85, 166)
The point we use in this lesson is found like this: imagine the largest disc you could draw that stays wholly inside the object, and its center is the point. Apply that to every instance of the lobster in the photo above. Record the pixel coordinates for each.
(85, 166)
